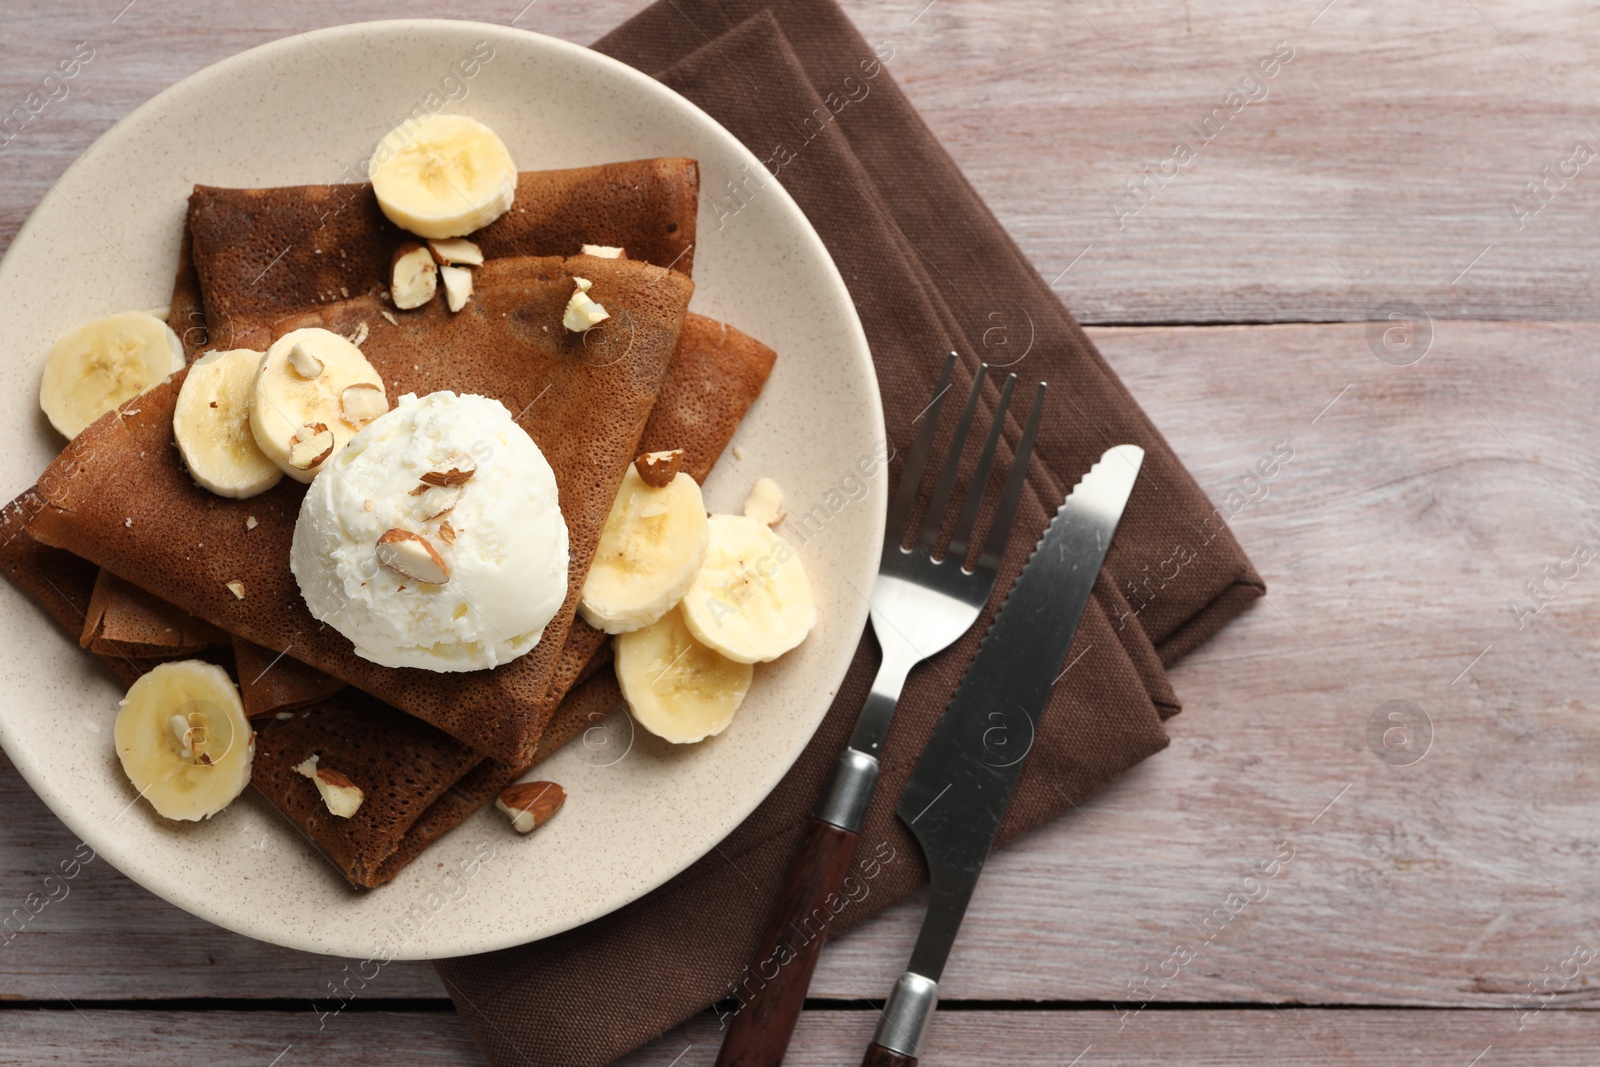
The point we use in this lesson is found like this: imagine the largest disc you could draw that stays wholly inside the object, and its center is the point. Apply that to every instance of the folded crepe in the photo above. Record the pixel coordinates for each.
(400, 764)
(118, 495)
(124, 620)
(270, 682)
(714, 377)
(61, 583)
(263, 254)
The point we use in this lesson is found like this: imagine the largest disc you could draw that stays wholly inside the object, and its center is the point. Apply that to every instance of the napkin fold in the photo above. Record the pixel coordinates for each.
(930, 270)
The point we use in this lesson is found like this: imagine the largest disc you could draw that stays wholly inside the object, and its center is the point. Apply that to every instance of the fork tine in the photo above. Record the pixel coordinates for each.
(905, 494)
(934, 519)
(980, 479)
(994, 546)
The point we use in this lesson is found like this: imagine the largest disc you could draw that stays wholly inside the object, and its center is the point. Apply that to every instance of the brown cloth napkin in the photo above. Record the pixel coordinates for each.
(930, 270)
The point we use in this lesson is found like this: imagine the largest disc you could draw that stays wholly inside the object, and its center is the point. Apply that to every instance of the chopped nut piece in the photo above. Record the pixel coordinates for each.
(388, 316)
(310, 446)
(455, 250)
(358, 336)
(530, 804)
(765, 503)
(412, 556)
(583, 313)
(447, 533)
(361, 403)
(457, 286)
(236, 587)
(368, 505)
(604, 251)
(656, 469)
(342, 796)
(304, 363)
(459, 473)
(250, 522)
(438, 499)
(414, 276)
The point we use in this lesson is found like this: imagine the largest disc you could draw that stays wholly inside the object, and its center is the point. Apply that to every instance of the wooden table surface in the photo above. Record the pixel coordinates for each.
(1432, 157)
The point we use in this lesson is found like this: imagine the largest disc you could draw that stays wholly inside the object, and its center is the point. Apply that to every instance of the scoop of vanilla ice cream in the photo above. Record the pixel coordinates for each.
(505, 546)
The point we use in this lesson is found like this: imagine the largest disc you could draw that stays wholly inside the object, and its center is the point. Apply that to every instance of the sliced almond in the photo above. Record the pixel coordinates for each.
(414, 277)
(437, 500)
(604, 251)
(455, 250)
(656, 469)
(457, 286)
(310, 446)
(530, 804)
(460, 472)
(304, 363)
(362, 403)
(412, 556)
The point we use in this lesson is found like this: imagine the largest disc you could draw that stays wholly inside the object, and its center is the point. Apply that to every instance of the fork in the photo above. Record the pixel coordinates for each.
(921, 603)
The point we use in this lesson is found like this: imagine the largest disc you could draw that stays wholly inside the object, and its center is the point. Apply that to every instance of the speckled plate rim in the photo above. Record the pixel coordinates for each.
(809, 688)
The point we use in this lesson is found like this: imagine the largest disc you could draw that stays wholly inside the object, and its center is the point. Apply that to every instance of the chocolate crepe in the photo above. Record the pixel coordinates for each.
(270, 682)
(401, 765)
(583, 398)
(263, 254)
(929, 268)
(58, 581)
(124, 620)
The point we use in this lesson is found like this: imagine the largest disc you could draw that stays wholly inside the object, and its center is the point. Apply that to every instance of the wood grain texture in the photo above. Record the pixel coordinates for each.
(101, 1038)
(1271, 1037)
(1267, 1036)
(1376, 167)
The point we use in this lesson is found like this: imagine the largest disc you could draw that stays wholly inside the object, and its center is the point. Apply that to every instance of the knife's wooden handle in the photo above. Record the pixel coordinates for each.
(773, 988)
(878, 1056)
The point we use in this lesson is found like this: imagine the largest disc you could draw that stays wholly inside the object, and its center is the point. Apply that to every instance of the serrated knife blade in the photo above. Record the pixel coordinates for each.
(962, 784)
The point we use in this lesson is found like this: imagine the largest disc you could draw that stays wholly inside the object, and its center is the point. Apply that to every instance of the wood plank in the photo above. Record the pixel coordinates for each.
(1290, 1037)
(1376, 168)
(1391, 542)
(108, 1038)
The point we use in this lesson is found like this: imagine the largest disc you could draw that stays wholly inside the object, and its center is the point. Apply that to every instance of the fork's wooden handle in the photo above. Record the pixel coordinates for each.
(773, 988)
(878, 1056)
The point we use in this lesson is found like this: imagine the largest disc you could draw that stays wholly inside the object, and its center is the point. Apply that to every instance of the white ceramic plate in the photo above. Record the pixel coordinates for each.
(299, 111)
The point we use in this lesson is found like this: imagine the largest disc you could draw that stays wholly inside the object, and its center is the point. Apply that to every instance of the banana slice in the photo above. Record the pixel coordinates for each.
(314, 390)
(650, 549)
(100, 364)
(211, 423)
(751, 600)
(677, 688)
(183, 739)
(446, 177)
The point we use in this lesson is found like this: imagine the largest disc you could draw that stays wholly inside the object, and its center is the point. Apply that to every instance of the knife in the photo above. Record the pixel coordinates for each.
(959, 790)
